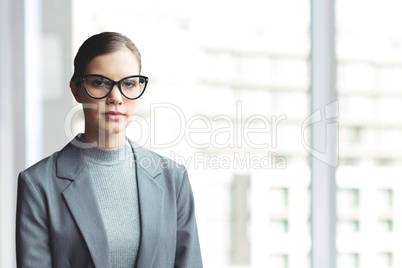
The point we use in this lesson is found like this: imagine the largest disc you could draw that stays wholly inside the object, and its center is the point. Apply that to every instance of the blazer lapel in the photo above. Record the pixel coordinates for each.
(83, 204)
(151, 196)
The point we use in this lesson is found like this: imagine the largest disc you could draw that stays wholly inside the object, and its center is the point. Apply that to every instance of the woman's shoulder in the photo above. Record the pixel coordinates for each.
(42, 166)
(49, 164)
(149, 160)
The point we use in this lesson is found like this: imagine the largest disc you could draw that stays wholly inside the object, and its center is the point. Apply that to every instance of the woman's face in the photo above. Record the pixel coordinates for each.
(109, 115)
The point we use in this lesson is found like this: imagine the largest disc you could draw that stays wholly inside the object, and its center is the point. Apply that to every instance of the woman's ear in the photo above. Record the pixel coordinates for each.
(75, 90)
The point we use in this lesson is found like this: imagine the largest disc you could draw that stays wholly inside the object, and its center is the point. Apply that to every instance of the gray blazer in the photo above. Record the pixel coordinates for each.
(59, 222)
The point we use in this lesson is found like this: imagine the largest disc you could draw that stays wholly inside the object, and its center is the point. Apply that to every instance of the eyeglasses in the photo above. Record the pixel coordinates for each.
(99, 86)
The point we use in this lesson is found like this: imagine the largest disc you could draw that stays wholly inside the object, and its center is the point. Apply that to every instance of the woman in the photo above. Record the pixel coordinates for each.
(103, 201)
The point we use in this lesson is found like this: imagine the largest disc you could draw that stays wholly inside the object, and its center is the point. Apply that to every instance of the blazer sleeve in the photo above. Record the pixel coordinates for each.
(188, 253)
(32, 236)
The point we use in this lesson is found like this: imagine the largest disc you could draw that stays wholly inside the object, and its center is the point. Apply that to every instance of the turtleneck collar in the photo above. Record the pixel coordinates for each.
(107, 157)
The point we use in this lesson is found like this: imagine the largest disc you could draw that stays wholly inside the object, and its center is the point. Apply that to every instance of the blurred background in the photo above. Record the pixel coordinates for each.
(229, 96)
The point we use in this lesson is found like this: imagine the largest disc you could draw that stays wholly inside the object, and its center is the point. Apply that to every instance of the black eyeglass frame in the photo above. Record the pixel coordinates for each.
(80, 79)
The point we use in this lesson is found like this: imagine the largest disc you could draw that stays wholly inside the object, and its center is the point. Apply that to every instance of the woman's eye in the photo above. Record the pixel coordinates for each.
(98, 83)
(129, 84)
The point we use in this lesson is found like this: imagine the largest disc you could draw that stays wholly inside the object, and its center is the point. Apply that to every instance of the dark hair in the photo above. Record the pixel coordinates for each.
(100, 44)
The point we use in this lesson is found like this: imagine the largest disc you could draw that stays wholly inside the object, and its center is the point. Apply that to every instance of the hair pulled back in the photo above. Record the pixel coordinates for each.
(99, 44)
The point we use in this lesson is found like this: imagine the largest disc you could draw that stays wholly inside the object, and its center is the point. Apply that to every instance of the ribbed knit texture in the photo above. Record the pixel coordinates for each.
(113, 176)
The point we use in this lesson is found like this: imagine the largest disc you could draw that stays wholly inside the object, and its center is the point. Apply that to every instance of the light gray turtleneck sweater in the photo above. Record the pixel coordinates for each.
(114, 180)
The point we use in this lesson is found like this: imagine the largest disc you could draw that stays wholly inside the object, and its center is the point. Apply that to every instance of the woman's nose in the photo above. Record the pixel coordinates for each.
(115, 96)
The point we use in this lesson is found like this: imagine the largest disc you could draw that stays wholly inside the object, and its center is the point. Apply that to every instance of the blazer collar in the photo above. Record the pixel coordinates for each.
(70, 161)
(84, 207)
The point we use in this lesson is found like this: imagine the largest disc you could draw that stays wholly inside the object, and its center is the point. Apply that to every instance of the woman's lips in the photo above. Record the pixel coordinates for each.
(114, 115)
